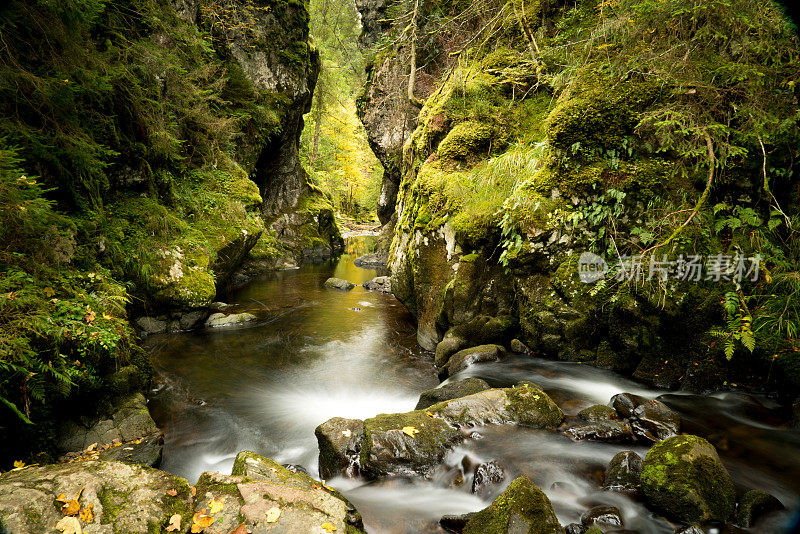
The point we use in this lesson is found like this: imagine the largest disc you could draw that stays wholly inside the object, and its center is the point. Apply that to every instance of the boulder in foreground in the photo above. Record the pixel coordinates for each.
(338, 283)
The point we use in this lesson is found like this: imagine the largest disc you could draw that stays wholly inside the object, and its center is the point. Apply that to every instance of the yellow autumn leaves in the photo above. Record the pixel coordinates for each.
(70, 524)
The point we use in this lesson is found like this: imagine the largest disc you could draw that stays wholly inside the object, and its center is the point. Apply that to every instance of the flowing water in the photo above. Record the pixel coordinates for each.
(315, 353)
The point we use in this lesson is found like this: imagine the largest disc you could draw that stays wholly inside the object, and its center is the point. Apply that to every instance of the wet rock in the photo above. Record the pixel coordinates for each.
(191, 319)
(521, 508)
(464, 358)
(382, 284)
(625, 403)
(128, 420)
(692, 529)
(146, 451)
(449, 391)
(480, 330)
(304, 503)
(338, 283)
(132, 498)
(218, 306)
(220, 320)
(525, 404)
(455, 523)
(519, 347)
(602, 516)
(374, 259)
(755, 504)
(624, 472)
(683, 478)
(654, 421)
(488, 476)
(611, 431)
(294, 468)
(575, 528)
(150, 325)
(339, 442)
(598, 412)
(386, 450)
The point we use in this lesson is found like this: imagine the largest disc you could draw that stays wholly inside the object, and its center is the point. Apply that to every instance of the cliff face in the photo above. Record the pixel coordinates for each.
(532, 147)
(148, 149)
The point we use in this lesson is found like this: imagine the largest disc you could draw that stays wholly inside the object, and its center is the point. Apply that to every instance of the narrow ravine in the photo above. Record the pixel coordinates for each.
(316, 353)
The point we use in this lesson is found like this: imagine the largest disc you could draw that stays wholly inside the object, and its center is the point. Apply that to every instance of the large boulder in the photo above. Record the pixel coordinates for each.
(684, 478)
(416, 442)
(464, 358)
(122, 497)
(451, 390)
(382, 284)
(339, 442)
(522, 508)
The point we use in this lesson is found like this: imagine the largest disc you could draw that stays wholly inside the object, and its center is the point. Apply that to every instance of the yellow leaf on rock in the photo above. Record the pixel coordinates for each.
(273, 514)
(201, 521)
(410, 431)
(87, 514)
(69, 525)
(194, 490)
(19, 464)
(215, 507)
(329, 527)
(71, 507)
(61, 498)
(174, 523)
(172, 492)
(429, 414)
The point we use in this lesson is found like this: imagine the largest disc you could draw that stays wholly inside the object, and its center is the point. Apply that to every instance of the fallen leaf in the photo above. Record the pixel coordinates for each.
(71, 507)
(215, 506)
(194, 490)
(410, 431)
(173, 492)
(273, 514)
(19, 464)
(201, 521)
(347, 433)
(91, 447)
(62, 498)
(69, 525)
(87, 514)
(107, 317)
(328, 527)
(429, 414)
(174, 523)
(241, 529)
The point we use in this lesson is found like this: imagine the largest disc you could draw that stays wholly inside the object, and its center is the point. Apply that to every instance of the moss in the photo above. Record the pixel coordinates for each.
(683, 477)
(467, 141)
(522, 505)
(531, 406)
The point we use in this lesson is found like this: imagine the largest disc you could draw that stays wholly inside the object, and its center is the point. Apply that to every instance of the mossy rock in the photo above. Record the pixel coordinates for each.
(684, 478)
(464, 358)
(522, 507)
(450, 391)
(466, 141)
(598, 412)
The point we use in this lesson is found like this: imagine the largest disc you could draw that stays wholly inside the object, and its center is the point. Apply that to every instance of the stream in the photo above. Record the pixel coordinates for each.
(316, 353)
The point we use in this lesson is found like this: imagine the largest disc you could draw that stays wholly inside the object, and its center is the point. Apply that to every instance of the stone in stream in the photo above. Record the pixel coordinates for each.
(602, 517)
(415, 443)
(610, 431)
(373, 259)
(519, 347)
(464, 358)
(220, 320)
(451, 390)
(624, 472)
(339, 443)
(683, 478)
(455, 523)
(382, 284)
(338, 283)
(654, 421)
(625, 403)
(755, 504)
(522, 507)
(150, 325)
(488, 476)
(598, 412)
(258, 485)
(480, 330)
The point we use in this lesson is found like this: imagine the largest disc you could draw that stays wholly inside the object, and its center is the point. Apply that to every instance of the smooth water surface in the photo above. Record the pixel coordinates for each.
(316, 353)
